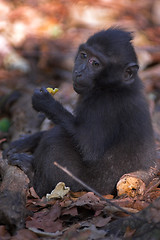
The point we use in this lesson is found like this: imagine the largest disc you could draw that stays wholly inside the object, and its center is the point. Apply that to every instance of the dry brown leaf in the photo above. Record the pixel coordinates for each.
(24, 234)
(129, 232)
(3, 232)
(47, 219)
(32, 193)
(108, 196)
(71, 211)
(73, 234)
(101, 221)
(96, 233)
(75, 195)
(90, 201)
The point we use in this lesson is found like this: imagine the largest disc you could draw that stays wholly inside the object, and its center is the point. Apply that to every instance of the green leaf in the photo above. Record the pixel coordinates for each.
(4, 124)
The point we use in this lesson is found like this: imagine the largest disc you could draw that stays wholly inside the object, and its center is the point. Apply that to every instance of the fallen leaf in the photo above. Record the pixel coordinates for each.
(96, 233)
(32, 193)
(3, 232)
(59, 192)
(24, 234)
(90, 201)
(74, 233)
(77, 194)
(45, 234)
(129, 232)
(101, 221)
(47, 219)
(71, 211)
(108, 196)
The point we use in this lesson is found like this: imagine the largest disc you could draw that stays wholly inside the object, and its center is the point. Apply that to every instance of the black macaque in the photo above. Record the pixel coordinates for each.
(110, 132)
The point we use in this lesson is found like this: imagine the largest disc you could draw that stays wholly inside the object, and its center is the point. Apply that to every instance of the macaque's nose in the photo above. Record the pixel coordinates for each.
(78, 74)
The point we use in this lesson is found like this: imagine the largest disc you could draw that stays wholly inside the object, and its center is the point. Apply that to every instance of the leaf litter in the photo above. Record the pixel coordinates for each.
(80, 215)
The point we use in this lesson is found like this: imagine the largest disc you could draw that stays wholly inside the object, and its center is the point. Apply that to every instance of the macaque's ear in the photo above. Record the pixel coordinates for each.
(130, 72)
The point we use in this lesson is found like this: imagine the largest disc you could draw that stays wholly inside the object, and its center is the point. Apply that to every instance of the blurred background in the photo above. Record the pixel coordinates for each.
(38, 42)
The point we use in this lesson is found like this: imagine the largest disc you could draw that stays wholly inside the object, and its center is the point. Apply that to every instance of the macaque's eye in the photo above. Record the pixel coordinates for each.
(128, 73)
(83, 55)
(95, 64)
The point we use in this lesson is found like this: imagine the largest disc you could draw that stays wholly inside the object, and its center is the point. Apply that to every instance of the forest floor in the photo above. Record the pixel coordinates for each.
(38, 42)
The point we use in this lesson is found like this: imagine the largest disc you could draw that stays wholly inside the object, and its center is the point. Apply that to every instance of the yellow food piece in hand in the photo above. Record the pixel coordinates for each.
(52, 91)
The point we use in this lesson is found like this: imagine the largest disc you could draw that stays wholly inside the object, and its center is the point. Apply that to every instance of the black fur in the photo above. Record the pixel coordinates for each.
(110, 132)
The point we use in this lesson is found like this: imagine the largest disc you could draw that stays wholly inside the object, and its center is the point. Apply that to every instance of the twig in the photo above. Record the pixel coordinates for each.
(92, 190)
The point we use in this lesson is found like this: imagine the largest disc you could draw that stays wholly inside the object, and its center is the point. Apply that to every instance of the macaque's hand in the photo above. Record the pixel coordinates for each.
(42, 100)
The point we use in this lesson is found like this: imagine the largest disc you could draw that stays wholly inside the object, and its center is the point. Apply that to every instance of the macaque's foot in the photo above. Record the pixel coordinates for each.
(9, 151)
(23, 161)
